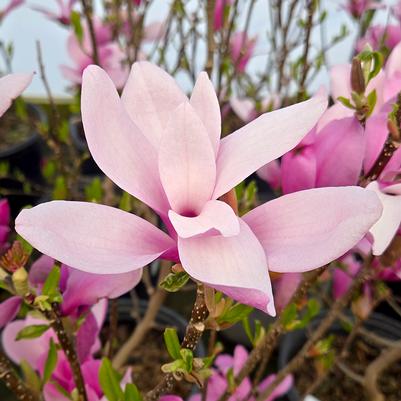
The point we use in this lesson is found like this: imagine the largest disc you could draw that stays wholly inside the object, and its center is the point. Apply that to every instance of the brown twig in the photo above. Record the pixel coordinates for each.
(382, 362)
(194, 331)
(210, 5)
(113, 327)
(66, 344)
(13, 382)
(87, 7)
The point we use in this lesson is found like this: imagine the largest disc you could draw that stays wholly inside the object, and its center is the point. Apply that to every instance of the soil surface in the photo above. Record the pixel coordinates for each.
(337, 386)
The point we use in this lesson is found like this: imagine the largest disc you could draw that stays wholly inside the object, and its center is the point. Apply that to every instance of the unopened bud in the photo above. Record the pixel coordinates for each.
(357, 78)
(14, 258)
(177, 268)
(20, 281)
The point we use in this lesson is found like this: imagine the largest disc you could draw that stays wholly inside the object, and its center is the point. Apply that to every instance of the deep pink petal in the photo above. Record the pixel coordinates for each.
(384, 230)
(376, 133)
(86, 337)
(234, 265)
(271, 173)
(206, 104)
(263, 140)
(4, 212)
(298, 170)
(39, 270)
(339, 150)
(307, 229)
(91, 237)
(336, 112)
(280, 389)
(186, 161)
(284, 288)
(11, 86)
(150, 97)
(116, 143)
(9, 309)
(215, 215)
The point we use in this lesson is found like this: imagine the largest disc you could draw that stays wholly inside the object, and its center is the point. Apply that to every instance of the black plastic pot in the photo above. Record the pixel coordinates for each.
(166, 317)
(26, 156)
(293, 341)
(89, 167)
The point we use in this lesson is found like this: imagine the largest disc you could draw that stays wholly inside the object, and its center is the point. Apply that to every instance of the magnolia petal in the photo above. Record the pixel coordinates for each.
(263, 140)
(91, 237)
(206, 104)
(307, 229)
(340, 82)
(86, 289)
(386, 227)
(186, 161)
(339, 150)
(150, 96)
(215, 215)
(9, 309)
(234, 265)
(116, 143)
(11, 86)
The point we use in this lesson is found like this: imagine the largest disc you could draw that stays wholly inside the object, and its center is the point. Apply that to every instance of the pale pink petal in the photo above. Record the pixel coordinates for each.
(339, 150)
(150, 97)
(91, 237)
(234, 265)
(30, 350)
(393, 63)
(243, 108)
(376, 133)
(86, 289)
(340, 81)
(298, 170)
(187, 164)
(305, 230)
(215, 215)
(263, 140)
(154, 31)
(206, 104)
(384, 230)
(116, 143)
(240, 357)
(71, 74)
(11, 86)
(9, 309)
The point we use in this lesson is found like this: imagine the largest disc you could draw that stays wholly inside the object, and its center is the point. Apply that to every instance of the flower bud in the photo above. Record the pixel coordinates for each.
(20, 281)
(357, 78)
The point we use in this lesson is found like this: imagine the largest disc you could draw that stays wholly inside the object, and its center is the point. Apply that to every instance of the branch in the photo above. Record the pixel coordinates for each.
(13, 382)
(194, 331)
(382, 362)
(210, 36)
(68, 347)
(88, 8)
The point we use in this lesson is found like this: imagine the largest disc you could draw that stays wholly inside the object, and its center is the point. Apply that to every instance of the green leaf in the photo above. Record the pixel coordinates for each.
(126, 202)
(187, 357)
(289, 314)
(247, 328)
(76, 24)
(94, 191)
(110, 381)
(132, 393)
(174, 281)
(176, 366)
(235, 313)
(51, 362)
(33, 331)
(172, 343)
(60, 188)
(26, 246)
(371, 99)
(52, 282)
(31, 378)
(346, 102)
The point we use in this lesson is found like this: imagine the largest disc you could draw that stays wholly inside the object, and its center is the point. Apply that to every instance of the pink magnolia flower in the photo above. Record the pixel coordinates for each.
(11, 86)
(35, 352)
(284, 288)
(271, 173)
(12, 5)
(378, 36)
(219, 9)
(166, 151)
(4, 222)
(358, 7)
(217, 383)
(111, 57)
(245, 108)
(241, 49)
(63, 14)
